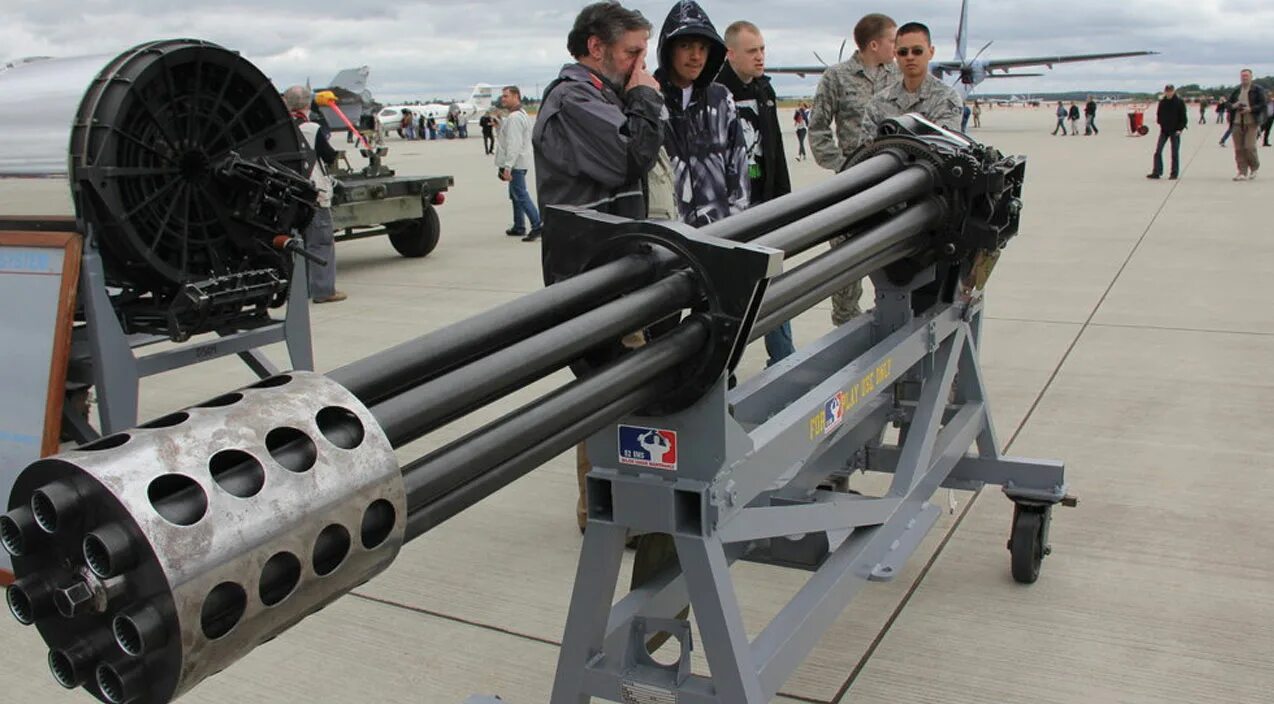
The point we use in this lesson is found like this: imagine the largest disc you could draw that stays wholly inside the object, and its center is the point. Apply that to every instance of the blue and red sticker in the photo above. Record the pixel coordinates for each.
(648, 447)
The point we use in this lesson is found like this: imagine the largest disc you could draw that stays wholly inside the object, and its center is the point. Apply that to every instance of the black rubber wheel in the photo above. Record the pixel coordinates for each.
(416, 238)
(1026, 544)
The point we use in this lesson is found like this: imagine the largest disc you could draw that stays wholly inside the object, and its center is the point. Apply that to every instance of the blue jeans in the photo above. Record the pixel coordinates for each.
(522, 203)
(1164, 138)
(778, 343)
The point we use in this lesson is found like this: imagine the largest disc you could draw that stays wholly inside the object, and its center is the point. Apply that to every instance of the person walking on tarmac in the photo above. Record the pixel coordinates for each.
(1061, 119)
(1172, 119)
(487, 123)
(1247, 112)
(703, 134)
(1090, 116)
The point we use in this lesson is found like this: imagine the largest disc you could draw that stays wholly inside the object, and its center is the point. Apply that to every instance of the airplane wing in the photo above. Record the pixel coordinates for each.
(1006, 64)
(1011, 75)
(801, 71)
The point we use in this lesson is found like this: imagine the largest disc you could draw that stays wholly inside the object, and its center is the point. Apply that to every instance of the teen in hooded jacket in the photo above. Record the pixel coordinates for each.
(703, 135)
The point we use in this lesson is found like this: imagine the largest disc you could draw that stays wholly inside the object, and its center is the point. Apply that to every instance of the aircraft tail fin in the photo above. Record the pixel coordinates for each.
(962, 33)
(353, 80)
(483, 96)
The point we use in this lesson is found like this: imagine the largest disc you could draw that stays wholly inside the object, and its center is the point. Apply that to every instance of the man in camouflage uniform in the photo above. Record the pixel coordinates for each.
(918, 91)
(843, 94)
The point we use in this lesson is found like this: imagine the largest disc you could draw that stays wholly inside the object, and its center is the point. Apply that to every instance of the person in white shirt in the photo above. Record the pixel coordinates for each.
(513, 156)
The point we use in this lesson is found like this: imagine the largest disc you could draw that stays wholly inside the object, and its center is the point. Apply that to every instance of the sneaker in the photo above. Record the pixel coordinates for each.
(1152, 175)
(1172, 177)
(533, 235)
(336, 297)
(514, 232)
(1240, 177)
(1252, 176)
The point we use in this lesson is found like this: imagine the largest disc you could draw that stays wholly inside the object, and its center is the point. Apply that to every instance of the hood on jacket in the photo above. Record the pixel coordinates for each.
(687, 19)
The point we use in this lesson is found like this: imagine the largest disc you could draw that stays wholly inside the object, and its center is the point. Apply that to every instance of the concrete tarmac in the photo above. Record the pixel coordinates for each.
(1129, 333)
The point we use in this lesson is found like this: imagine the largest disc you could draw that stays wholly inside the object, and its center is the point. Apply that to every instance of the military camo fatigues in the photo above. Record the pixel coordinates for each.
(843, 94)
(936, 101)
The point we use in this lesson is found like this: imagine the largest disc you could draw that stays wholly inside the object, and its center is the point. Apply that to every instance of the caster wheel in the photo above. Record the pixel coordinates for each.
(1027, 546)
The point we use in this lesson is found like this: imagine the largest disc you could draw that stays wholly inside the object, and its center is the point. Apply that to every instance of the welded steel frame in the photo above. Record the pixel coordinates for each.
(751, 470)
(103, 355)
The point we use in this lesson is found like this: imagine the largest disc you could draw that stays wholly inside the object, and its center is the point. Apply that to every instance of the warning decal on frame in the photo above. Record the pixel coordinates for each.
(831, 417)
(648, 447)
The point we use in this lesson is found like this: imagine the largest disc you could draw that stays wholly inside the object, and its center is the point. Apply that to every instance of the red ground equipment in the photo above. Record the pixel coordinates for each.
(1137, 123)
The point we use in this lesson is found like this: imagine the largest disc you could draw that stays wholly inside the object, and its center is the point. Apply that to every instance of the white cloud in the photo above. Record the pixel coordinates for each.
(441, 48)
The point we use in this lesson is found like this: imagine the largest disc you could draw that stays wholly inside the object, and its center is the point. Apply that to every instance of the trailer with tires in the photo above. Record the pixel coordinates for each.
(374, 201)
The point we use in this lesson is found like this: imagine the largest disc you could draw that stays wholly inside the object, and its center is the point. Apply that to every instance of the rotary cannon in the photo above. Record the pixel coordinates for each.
(156, 557)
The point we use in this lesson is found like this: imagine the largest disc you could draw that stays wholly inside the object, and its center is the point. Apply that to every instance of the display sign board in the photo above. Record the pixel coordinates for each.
(38, 276)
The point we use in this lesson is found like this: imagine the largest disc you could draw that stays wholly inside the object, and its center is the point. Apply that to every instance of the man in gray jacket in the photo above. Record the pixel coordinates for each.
(513, 158)
(599, 130)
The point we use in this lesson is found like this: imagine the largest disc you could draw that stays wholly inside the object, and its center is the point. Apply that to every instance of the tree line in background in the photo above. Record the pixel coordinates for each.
(1217, 92)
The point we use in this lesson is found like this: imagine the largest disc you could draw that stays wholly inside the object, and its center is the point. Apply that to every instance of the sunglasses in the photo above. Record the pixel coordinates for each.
(915, 51)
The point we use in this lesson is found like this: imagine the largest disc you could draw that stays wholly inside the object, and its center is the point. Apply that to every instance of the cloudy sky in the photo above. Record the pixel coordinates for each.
(441, 48)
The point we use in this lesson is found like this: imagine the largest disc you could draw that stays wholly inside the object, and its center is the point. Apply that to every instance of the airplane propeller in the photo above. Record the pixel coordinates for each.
(984, 48)
(840, 55)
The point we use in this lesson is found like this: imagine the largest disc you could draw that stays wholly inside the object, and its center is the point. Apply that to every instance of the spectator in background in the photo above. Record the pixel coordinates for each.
(513, 157)
(1247, 114)
(1269, 118)
(1172, 119)
(802, 128)
(1090, 115)
(1061, 113)
(1220, 111)
(1203, 111)
(977, 113)
(319, 235)
(1073, 114)
(487, 123)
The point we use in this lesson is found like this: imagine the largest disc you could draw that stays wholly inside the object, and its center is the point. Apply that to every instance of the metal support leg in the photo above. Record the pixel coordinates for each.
(917, 450)
(115, 372)
(716, 610)
(296, 324)
(595, 582)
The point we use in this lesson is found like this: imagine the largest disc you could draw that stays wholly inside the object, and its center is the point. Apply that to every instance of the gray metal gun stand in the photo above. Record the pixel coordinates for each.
(744, 482)
(103, 355)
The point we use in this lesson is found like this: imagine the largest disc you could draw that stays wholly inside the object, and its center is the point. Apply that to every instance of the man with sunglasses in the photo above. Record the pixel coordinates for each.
(918, 91)
(842, 96)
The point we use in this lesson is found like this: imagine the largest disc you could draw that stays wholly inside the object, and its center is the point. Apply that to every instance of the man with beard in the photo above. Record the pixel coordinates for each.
(744, 75)
(599, 131)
